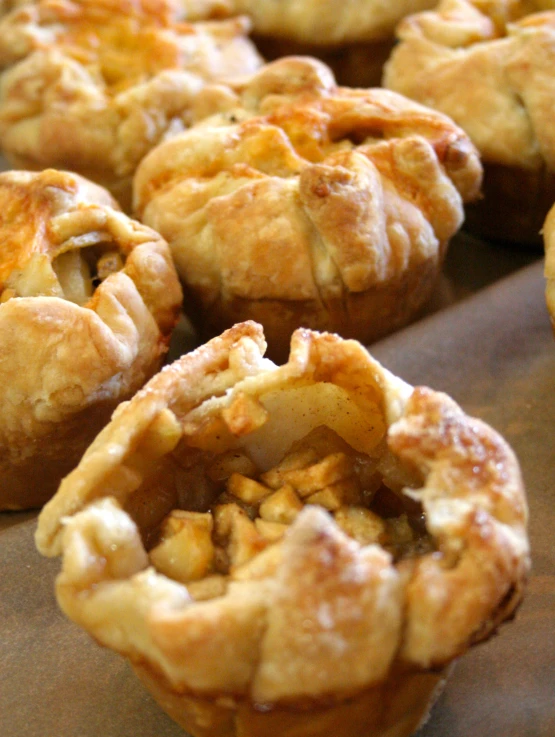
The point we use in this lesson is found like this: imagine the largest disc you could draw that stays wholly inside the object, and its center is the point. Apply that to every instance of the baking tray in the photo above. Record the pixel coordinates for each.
(494, 352)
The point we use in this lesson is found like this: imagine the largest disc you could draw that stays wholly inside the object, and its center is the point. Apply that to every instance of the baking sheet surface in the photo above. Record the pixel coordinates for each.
(495, 354)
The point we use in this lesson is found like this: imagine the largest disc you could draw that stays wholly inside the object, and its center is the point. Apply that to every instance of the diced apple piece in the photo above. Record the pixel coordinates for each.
(207, 588)
(337, 495)
(242, 540)
(263, 565)
(234, 461)
(244, 415)
(270, 531)
(361, 524)
(329, 470)
(246, 489)
(185, 552)
(282, 506)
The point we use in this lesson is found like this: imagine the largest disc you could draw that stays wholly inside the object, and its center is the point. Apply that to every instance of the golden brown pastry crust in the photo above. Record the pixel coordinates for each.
(395, 708)
(489, 66)
(331, 208)
(335, 626)
(92, 86)
(67, 364)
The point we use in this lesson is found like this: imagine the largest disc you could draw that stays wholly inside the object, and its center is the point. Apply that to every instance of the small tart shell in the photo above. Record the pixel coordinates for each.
(92, 86)
(326, 207)
(490, 67)
(335, 630)
(64, 366)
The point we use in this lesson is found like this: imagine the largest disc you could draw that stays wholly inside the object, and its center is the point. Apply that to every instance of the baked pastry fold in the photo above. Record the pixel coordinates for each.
(312, 543)
(308, 204)
(488, 65)
(88, 301)
(92, 86)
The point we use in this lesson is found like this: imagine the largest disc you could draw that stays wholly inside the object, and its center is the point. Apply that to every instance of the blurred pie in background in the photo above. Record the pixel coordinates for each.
(323, 207)
(353, 37)
(88, 301)
(92, 85)
(489, 66)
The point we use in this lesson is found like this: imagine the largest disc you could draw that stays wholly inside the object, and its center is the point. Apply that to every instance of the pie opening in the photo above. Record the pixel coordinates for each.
(73, 274)
(238, 536)
(217, 507)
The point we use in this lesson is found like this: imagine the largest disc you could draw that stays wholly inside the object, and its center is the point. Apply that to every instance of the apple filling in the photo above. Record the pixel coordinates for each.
(238, 537)
(72, 275)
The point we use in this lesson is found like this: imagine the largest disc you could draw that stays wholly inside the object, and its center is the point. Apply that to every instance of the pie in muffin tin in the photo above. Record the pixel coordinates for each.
(488, 65)
(309, 545)
(92, 86)
(305, 204)
(88, 301)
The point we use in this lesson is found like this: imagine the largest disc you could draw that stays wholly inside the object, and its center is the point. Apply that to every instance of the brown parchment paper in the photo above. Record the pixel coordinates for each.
(494, 352)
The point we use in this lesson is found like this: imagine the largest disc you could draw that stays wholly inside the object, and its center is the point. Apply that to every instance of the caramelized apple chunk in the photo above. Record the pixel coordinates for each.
(241, 539)
(185, 551)
(315, 477)
(361, 524)
(246, 489)
(226, 464)
(282, 506)
(208, 588)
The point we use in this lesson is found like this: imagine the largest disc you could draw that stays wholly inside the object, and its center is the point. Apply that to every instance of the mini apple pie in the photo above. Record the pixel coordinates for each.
(88, 301)
(354, 37)
(323, 207)
(301, 549)
(489, 65)
(92, 86)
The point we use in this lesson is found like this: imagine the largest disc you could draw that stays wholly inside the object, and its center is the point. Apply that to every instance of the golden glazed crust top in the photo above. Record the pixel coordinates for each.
(320, 194)
(126, 43)
(488, 65)
(331, 616)
(326, 22)
(88, 300)
(93, 86)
